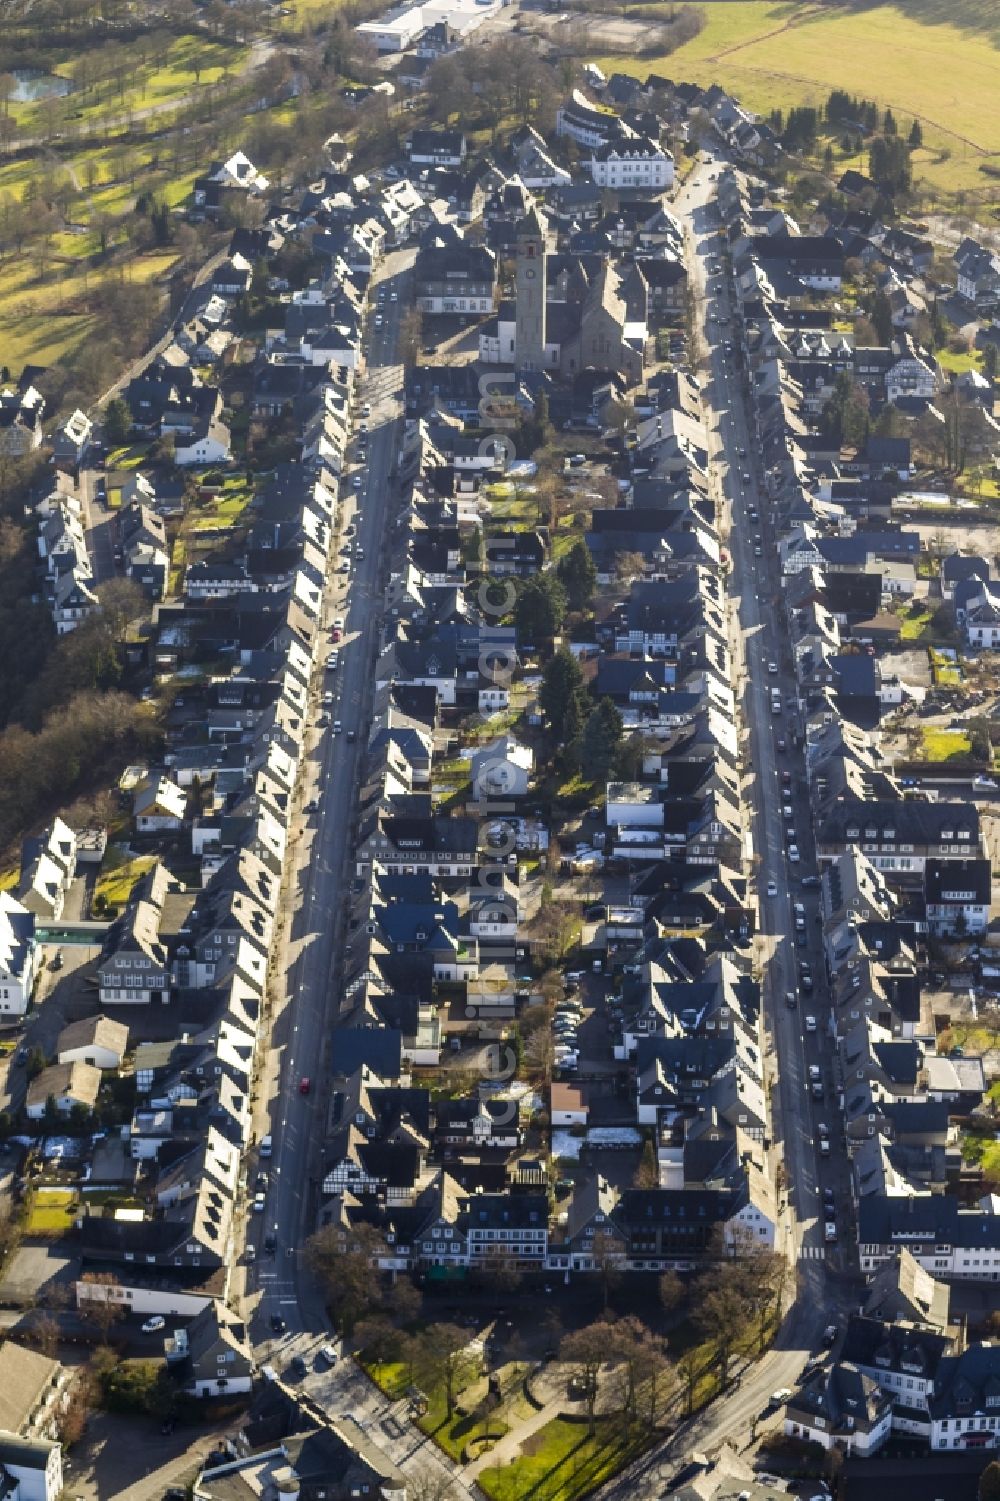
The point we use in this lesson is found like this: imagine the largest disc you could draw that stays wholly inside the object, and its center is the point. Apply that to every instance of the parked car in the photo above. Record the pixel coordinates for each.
(155, 1324)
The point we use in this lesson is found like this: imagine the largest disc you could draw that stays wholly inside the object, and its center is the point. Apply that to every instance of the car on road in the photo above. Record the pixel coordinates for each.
(814, 1072)
(259, 1201)
(811, 881)
(793, 854)
(829, 1231)
(337, 726)
(985, 784)
(366, 410)
(830, 1335)
(758, 551)
(266, 1146)
(305, 1084)
(779, 744)
(789, 834)
(155, 1324)
(787, 811)
(329, 1354)
(810, 1023)
(277, 1324)
(357, 482)
(791, 999)
(351, 737)
(329, 699)
(799, 913)
(781, 1395)
(772, 667)
(333, 660)
(829, 1197)
(297, 1365)
(772, 888)
(262, 1179)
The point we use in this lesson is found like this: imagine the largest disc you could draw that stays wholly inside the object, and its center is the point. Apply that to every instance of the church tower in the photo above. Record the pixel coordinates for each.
(529, 291)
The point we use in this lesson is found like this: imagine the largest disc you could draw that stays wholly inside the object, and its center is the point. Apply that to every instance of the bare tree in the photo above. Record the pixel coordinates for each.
(103, 1307)
(586, 1350)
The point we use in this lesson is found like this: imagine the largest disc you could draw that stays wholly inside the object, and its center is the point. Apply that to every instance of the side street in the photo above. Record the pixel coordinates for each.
(499, 961)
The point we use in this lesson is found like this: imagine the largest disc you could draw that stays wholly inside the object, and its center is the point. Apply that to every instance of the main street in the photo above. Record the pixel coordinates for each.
(314, 905)
(825, 1290)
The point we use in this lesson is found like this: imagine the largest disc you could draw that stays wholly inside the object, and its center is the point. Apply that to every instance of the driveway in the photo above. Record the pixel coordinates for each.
(129, 1458)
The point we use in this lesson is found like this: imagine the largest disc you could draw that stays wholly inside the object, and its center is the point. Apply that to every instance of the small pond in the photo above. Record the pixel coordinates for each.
(32, 84)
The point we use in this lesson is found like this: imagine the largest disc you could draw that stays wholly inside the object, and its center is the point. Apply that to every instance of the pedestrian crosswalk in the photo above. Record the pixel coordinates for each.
(811, 1253)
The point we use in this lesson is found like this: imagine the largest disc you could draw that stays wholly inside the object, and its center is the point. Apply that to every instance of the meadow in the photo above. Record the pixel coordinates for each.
(937, 63)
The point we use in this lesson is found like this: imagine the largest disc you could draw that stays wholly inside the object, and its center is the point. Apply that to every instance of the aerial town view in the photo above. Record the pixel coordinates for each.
(499, 750)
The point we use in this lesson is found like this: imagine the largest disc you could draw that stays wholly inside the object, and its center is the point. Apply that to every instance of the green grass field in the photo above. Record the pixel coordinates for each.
(940, 63)
(562, 1462)
(52, 1212)
(916, 624)
(942, 745)
(118, 876)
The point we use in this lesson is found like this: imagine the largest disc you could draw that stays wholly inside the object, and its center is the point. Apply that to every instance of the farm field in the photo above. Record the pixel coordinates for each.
(938, 63)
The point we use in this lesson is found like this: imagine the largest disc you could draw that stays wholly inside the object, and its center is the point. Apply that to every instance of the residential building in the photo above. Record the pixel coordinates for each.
(96, 1040)
(633, 165)
(68, 1085)
(30, 1469)
(958, 896)
(17, 957)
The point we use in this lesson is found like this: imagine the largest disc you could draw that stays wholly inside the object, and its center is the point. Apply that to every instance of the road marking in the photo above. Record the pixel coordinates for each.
(811, 1253)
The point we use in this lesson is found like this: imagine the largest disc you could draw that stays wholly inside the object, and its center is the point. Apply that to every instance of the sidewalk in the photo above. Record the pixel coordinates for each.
(507, 1449)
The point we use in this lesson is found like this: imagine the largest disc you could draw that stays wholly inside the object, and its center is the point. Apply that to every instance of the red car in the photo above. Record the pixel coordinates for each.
(304, 1086)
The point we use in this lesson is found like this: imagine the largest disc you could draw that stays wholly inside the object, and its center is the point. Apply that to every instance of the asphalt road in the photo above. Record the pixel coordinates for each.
(322, 841)
(825, 1286)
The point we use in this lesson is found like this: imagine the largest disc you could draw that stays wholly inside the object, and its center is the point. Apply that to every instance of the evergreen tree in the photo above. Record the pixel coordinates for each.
(889, 123)
(560, 693)
(602, 736)
(916, 136)
(117, 422)
(880, 313)
(540, 607)
(578, 575)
